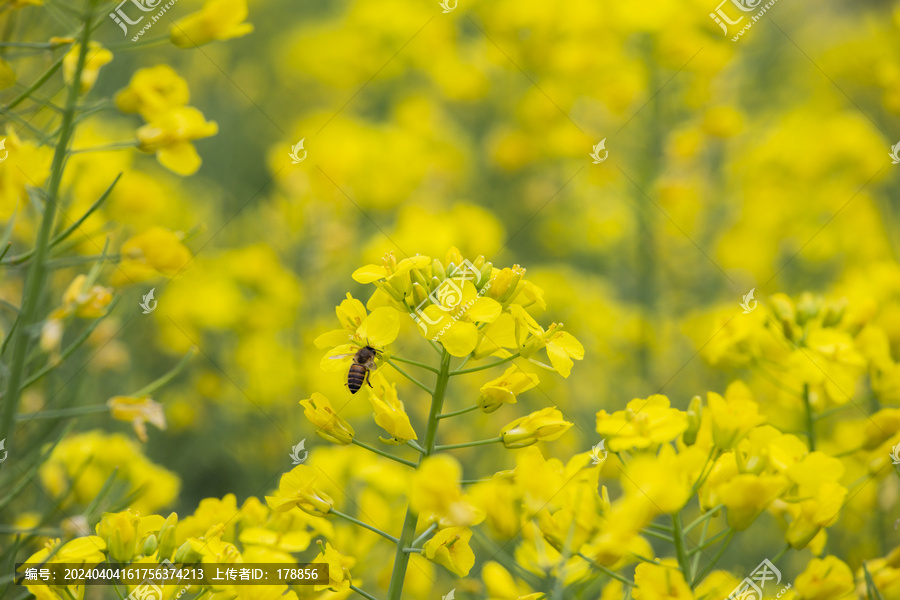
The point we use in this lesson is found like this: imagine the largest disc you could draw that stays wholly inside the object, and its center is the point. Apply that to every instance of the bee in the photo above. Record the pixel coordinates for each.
(363, 362)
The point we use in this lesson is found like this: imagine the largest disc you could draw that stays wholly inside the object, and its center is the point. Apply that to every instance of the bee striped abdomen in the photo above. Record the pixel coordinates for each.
(356, 377)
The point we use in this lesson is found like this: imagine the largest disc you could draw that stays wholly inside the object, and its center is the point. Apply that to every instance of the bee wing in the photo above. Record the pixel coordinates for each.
(371, 364)
(342, 356)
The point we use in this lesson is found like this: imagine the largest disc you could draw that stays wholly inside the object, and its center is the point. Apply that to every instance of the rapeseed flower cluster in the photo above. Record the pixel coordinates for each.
(473, 470)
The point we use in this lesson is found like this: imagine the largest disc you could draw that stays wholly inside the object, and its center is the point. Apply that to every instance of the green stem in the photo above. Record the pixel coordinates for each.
(362, 593)
(696, 562)
(49, 73)
(658, 535)
(810, 419)
(711, 541)
(63, 412)
(715, 560)
(680, 547)
(15, 260)
(415, 446)
(408, 463)
(34, 281)
(458, 412)
(425, 534)
(703, 517)
(401, 558)
(483, 367)
(411, 378)
(415, 363)
(609, 572)
(155, 385)
(55, 363)
(782, 553)
(106, 148)
(347, 517)
(831, 411)
(470, 444)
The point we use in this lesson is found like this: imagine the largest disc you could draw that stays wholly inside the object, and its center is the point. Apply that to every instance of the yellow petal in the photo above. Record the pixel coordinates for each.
(485, 310)
(560, 360)
(460, 339)
(181, 158)
(381, 327)
(369, 273)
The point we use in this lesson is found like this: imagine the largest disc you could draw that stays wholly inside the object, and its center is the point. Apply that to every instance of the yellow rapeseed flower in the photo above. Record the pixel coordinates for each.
(435, 493)
(389, 412)
(505, 389)
(329, 425)
(124, 531)
(154, 252)
(746, 496)
(97, 56)
(450, 548)
(660, 581)
(297, 488)
(643, 424)
(546, 424)
(138, 412)
(169, 134)
(826, 578)
(732, 416)
(339, 567)
(152, 91)
(501, 585)
(217, 20)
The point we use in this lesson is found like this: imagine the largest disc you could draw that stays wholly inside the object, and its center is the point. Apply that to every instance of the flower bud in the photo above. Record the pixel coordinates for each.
(833, 312)
(454, 257)
(119, 531)
(418, 277)
(694, 418)
(166, 544)
(487, 272)
(186, 555)
(807, 308)
(329, 425)
(150, 545)
(419, 294)
(439, 273)
(545, 424)
(785, 313)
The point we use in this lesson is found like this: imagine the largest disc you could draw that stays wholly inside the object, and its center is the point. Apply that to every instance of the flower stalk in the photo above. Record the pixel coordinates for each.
(407, 535)
(35, 279)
